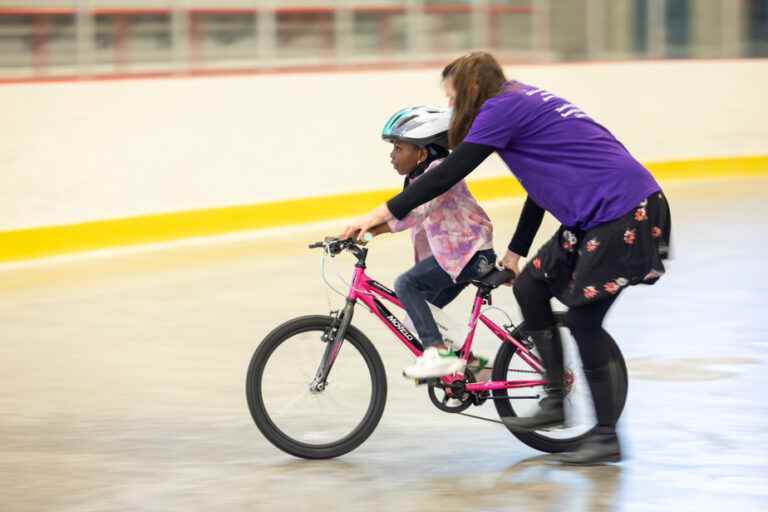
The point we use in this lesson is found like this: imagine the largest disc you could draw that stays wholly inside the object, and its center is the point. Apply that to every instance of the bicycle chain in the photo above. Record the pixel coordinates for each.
(479, 417)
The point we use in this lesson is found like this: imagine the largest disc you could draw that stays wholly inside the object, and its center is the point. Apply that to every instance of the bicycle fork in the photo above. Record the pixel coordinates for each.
(334, 338)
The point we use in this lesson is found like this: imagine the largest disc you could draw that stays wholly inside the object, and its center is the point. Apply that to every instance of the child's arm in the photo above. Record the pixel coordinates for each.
(375, 231)
(380, 229)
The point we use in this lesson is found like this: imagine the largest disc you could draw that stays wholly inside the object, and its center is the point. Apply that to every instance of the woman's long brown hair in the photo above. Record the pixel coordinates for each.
(475, 77)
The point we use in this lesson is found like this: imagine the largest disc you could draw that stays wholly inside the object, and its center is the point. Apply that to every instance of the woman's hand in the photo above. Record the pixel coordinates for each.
(363, 224)
(511, 261)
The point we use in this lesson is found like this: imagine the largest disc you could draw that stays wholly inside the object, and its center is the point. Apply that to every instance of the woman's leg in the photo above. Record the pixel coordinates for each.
(533, 296)
(594, 342)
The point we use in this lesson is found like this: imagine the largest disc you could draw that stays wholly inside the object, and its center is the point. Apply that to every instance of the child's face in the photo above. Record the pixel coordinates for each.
(405, 157)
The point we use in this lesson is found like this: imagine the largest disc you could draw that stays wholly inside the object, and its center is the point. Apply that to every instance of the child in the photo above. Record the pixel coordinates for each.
(452, 238)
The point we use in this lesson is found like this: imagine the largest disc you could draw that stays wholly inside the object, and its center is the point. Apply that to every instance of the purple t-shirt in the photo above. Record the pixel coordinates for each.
(568, 164)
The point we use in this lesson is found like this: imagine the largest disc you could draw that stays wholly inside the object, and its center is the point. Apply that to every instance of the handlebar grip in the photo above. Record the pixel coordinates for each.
(335, 245)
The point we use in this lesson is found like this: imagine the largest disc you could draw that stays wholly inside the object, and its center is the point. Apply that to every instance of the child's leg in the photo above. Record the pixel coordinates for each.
(480, 264)
(428, 281)
(425, 279)
(445, 297)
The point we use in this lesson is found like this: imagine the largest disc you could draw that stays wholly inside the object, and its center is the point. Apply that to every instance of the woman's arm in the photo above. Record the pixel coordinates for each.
(417, 216)
(527, 226)
(462, 161)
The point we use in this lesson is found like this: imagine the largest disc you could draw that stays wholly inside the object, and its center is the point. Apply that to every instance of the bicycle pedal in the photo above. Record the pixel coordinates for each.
(421, 382)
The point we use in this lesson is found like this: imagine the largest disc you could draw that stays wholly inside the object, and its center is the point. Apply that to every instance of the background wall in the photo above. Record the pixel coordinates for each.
(80, 151)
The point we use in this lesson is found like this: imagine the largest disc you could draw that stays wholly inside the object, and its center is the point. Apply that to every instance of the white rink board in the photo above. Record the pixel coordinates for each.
(73, 152)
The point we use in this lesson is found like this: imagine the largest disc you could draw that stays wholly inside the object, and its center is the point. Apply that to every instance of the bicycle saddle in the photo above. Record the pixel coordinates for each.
(494, 278)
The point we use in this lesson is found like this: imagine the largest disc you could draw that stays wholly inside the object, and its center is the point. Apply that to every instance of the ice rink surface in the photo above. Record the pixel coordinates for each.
(123, 383)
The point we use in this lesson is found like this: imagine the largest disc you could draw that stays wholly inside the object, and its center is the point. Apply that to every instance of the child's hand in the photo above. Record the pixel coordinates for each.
(364, 224)
(354, 229)
(350, 231)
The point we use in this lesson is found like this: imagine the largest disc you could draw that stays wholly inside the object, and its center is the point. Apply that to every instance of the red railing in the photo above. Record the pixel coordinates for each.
(42, 21)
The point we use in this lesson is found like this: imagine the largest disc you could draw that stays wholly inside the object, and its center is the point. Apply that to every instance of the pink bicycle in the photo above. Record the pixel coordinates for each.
(316, 386)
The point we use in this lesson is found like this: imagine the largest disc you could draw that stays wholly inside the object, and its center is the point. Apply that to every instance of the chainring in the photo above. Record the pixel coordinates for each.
(455, 398)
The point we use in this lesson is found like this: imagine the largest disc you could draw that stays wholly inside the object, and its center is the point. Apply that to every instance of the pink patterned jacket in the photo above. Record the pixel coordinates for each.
(452, 228)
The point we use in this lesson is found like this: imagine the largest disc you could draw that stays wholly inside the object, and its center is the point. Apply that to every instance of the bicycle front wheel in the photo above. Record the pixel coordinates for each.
(315, 424)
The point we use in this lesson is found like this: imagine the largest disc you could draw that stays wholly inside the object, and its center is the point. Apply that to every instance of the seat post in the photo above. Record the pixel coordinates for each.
(484, 292)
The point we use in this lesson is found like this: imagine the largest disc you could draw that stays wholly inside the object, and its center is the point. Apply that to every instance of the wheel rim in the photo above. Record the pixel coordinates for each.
(315, 419)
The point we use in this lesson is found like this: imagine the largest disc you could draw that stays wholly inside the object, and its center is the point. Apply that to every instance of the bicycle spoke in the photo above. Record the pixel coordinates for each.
(315, 417)
(290, 404)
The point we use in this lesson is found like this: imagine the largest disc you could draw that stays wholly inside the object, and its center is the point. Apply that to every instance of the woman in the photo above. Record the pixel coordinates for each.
(615, 223)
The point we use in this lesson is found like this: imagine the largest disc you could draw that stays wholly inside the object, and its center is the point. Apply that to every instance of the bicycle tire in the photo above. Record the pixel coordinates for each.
(261, 416)
(541, 442)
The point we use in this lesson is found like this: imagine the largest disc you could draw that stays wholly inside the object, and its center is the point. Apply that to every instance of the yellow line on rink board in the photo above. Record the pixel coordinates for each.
(25, 244)
(709, 168)
(52, 240)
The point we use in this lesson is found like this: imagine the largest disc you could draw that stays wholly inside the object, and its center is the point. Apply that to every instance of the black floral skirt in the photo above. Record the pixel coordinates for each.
(586, 266)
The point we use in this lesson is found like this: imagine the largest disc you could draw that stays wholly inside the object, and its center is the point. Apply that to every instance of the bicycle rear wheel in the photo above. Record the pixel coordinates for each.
(579, 409)
(315, 425)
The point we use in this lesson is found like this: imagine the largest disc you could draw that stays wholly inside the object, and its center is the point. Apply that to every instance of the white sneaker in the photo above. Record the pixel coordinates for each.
(434, 363)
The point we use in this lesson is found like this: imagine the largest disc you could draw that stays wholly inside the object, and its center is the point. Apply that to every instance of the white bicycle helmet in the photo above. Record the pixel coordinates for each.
(420, 125)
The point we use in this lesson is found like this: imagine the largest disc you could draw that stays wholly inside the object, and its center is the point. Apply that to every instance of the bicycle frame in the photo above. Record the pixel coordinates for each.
(368, 291)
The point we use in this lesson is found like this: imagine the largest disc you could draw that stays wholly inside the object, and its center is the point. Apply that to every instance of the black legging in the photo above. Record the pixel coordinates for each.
(586, 325)
(585, 322)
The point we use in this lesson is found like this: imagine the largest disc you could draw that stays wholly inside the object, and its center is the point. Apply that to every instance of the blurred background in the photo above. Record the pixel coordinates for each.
(94, 37)
(147, 144)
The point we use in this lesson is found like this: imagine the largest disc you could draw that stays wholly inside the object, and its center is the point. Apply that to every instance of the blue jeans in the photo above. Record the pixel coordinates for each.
(427, 281)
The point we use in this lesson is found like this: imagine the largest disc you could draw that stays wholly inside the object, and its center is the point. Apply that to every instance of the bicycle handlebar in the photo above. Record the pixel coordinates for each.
(334, 246)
